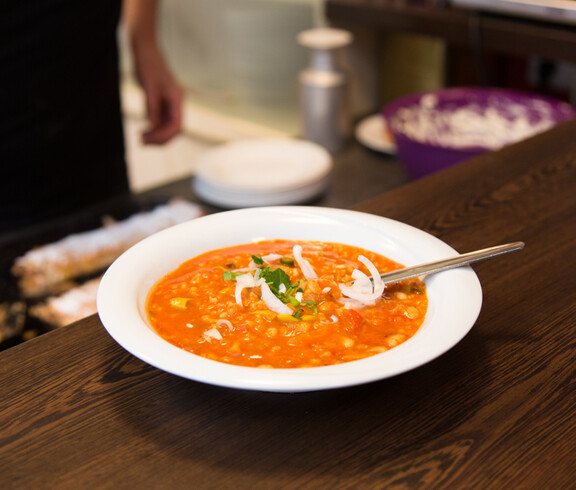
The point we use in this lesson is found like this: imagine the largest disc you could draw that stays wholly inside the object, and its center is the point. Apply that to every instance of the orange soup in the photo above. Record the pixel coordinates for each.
(286, 304)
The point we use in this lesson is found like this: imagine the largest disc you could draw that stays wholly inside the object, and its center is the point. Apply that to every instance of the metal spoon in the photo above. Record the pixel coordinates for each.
(450, 263)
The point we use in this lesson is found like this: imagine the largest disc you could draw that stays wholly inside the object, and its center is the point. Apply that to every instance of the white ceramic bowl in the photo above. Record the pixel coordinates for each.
(455, 296)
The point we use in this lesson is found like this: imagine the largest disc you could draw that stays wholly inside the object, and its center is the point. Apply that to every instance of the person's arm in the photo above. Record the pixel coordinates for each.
(164, 96)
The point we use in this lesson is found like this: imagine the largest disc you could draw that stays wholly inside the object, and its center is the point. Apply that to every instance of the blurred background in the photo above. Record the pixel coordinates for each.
(239, 62)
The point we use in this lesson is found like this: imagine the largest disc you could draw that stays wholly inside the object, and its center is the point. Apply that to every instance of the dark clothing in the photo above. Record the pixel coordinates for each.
(61, 139)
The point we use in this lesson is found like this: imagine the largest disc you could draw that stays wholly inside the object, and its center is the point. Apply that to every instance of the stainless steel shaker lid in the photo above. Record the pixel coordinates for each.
(324, 38)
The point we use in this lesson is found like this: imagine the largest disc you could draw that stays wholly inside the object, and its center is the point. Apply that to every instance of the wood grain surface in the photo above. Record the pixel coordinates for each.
(496, 411)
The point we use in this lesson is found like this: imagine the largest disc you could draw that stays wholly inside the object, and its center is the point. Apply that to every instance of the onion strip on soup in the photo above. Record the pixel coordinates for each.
(286, 304)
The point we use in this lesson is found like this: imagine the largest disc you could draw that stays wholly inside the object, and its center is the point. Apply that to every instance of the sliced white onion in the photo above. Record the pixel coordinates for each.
(271, 257)
(376, 279)
(272, 302)
(299, 296)
(243, 269)
(362, 282)
(360, 297)
(282, 288)
(212, 333)
(326, 290)
(244, 281)
(361, 289)
(304, 265)
(225, 323)
(351, 304)
(364, 290)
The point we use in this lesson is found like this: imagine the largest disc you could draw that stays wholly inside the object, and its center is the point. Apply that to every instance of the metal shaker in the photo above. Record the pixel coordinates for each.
(324, 97)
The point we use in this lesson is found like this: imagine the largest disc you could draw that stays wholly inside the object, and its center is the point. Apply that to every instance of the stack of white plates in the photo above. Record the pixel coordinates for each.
(262, 172)
(373, 133)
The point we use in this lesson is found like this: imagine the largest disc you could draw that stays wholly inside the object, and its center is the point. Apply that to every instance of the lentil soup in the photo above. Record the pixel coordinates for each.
(286, 304)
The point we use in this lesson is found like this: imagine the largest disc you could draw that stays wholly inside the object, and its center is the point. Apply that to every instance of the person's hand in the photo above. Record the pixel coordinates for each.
(164, 96)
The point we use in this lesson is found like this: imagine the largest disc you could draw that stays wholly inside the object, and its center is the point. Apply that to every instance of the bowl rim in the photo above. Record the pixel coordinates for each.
(455, 296)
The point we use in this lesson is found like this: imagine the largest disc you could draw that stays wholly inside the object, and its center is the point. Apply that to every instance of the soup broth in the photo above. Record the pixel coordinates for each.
(286, 304)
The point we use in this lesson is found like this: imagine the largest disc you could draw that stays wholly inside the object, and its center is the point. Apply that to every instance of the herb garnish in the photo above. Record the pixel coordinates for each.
(311, 305)
(231, 276)
(287, 261)
(275, 278)
(280, 285)
(258, 260)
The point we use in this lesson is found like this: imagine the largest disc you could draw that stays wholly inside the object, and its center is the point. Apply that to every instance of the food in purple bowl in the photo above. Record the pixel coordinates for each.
(435, 130)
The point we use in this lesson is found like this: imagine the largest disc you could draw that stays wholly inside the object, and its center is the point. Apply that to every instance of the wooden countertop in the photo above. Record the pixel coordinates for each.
(496, 411)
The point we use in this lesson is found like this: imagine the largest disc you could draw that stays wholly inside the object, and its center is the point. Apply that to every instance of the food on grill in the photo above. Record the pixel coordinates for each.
(73, 305)
(52, 268)
(12, 319)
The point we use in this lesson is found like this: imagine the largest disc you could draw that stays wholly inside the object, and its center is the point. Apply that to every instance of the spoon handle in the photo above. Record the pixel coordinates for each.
(450, 263)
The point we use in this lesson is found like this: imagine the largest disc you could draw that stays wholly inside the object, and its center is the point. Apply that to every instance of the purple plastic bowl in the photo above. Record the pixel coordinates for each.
(421, 158)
